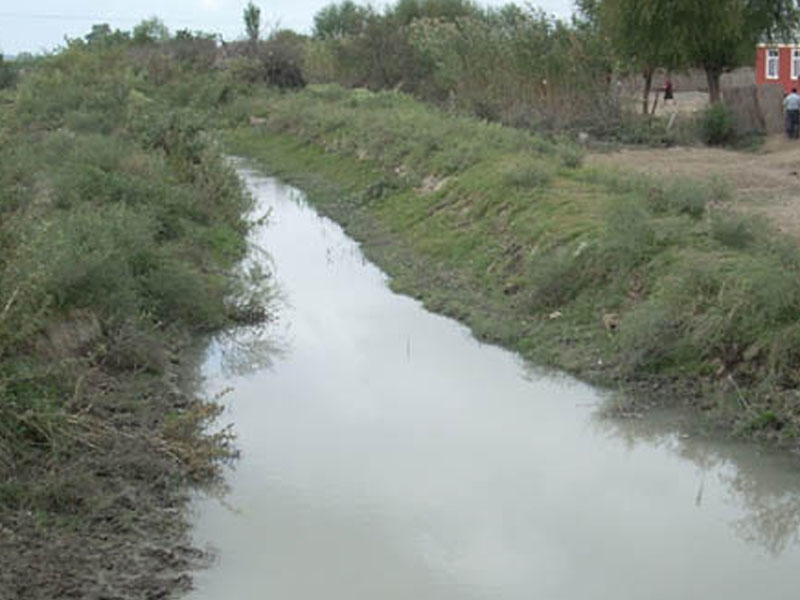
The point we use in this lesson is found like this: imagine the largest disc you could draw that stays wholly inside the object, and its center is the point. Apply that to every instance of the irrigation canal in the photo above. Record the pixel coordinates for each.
(388, 454)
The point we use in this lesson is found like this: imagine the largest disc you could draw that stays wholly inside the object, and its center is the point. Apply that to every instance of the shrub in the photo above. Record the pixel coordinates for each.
(529, 174)
(784, 355)
(687, 197)
(717, 125)
(8, 74)
(630, 235)
(558, 277)
(732, 229)
(277, 62)
(649, 337)
(729, 304)
(572, 155)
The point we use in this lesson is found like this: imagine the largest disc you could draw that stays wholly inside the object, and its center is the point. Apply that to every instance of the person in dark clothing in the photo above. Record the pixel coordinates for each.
(791, 107)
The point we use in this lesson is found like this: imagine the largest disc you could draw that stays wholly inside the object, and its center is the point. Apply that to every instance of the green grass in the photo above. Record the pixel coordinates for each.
(120, 228)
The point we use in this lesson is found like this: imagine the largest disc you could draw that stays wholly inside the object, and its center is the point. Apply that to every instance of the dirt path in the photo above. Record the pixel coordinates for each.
(766, 182)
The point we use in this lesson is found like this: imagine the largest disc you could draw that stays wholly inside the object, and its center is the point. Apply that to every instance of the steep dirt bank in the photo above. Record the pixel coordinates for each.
(110, 520)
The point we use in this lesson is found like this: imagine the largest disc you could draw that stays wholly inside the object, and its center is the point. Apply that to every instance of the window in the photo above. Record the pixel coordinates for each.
(772, 64)
(795, 63)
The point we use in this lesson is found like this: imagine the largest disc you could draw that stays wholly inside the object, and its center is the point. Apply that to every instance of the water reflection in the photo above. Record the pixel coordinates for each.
(764, 484)
(387, 454)
(246, 350)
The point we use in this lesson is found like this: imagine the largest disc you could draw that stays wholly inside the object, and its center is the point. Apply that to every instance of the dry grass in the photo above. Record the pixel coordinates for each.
(765, 183)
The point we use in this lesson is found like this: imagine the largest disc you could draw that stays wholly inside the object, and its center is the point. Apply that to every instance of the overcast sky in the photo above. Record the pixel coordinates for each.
(41, 26)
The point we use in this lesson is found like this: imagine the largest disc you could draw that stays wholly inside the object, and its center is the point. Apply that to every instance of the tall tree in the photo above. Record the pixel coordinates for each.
(252, 22)
(714, 35)
(149, 31)
(642, 33)
(722, 34)
(339, 20)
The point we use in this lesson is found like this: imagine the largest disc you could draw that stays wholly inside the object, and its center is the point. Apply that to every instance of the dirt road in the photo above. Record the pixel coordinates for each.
(766, 182)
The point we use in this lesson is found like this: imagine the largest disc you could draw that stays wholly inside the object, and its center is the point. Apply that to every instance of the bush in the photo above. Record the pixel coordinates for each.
(572, 155)
(732, 229)
(529, 174)
(8, 74)
(558, 277)
(687, 197)
(717, 125)
(630, 234)
(649, 338)
(277, 62)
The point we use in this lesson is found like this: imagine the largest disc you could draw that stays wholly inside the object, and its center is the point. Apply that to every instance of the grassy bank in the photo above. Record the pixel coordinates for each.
(643, 283)
(121, 229)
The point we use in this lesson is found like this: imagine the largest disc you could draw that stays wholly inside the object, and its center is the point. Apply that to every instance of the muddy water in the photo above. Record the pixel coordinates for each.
(387, 454)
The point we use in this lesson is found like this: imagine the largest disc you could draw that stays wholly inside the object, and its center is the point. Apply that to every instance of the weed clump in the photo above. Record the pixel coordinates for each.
(630, 235)
(717, 125)
(557, 277)
(572, 156)
(732, 229)
(649, 338)
(530, 174)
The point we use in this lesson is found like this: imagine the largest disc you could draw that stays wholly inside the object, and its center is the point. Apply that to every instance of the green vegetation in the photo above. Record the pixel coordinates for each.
(717, 125)
(640, 33)
(714, 35)
(121, 229)
(8, 74)
(614, 278)
(525, 69)
(513, 65)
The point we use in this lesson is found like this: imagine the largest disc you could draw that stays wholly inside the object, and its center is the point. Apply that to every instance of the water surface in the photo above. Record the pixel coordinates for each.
(388, 454)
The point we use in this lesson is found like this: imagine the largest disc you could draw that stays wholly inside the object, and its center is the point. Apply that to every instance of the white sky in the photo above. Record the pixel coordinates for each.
(41, 26)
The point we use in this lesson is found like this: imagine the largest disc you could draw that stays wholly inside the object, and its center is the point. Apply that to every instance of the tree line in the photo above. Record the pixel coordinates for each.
(713, 35)
(511, 64)
(514, 55)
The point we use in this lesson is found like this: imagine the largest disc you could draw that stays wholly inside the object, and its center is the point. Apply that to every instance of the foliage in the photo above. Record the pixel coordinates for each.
(529, 174)
(572, 155)
(252, 22)
(526, 69)
(404, 12)
(8, 74)
(338, 20)
(121, 225)
(513, 65)
(641, 33)
(717, 125)
(732, 230)
(714, 35)
(721, 34)
(278, 62)
(103, 36)
(150, 31)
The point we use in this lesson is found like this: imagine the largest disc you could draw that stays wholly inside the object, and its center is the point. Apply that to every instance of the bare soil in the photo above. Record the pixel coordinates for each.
(766, 182)
(103, 514)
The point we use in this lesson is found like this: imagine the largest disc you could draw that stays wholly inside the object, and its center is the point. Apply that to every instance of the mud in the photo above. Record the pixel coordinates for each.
(102, 514)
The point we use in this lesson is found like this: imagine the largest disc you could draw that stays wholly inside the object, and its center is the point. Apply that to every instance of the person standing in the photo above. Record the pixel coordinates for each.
(669, 92)
(791, 107)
